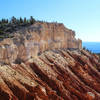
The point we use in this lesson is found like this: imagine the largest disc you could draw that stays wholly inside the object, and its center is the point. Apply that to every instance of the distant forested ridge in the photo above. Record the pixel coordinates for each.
(9, 26)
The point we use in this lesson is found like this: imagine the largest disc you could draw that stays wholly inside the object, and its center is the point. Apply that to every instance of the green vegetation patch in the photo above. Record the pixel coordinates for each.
(9, 26)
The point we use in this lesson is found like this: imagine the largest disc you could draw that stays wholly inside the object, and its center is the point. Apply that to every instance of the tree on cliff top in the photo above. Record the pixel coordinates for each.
(8, 26)
(32, 20)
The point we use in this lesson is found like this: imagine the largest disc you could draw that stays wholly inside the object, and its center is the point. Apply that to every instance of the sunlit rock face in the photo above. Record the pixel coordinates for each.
(35, 39)
(45, 62)
(53, 75)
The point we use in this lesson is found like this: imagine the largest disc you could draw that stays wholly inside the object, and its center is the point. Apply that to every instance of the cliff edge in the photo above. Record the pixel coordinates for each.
(30, 41)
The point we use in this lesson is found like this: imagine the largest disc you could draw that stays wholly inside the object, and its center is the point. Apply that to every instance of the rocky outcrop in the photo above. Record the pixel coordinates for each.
(54, 75)
(33, 40)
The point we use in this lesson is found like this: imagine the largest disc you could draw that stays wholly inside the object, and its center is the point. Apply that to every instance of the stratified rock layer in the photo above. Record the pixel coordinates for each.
(33, 40)
(54, 75)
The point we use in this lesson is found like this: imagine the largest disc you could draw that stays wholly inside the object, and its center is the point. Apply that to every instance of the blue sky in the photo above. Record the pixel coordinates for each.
(83, 16)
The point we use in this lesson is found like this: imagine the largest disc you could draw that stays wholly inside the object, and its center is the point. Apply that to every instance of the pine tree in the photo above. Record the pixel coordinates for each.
(25, 20)
(13, 20)
(32, 20)
(21, 20)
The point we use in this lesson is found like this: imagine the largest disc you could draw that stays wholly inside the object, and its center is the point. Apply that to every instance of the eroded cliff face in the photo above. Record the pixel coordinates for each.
(30, 41)
(54, 75)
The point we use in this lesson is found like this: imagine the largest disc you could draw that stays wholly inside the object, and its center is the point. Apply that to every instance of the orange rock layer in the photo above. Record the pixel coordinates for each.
(35, 39)
(54, 75)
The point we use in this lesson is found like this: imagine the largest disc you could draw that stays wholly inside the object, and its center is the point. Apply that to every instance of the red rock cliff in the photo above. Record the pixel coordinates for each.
(30, 41)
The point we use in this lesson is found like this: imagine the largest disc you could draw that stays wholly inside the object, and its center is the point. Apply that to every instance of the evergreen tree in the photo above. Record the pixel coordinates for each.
(9, 26)
(18, 21)
(25, 20)
(21, 20)
(3, 21)
(32, 20)
(13, 20)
